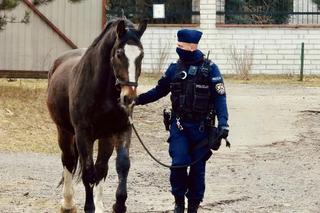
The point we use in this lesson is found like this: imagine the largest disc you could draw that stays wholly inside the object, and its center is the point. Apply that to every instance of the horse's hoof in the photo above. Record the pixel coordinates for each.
(72, 210)
(119, 209)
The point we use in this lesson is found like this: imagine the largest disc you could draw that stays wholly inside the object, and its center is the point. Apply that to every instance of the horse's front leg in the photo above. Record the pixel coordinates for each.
(122, 167)
(85, 148)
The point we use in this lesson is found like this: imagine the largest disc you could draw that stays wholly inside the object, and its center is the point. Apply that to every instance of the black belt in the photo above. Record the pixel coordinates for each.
(190, 117)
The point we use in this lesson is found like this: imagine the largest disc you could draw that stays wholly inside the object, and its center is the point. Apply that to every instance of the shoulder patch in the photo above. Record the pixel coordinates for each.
(216, 79)
(220, 88)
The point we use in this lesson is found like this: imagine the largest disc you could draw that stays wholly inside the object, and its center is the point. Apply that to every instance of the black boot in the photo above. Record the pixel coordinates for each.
(193, 206)
(179, 206)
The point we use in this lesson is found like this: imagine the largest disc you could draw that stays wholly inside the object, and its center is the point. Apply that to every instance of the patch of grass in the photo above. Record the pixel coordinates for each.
(149, 78)
(261, 79)
(24, 119)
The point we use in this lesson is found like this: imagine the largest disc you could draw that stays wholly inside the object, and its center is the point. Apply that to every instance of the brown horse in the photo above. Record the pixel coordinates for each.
(90, 96)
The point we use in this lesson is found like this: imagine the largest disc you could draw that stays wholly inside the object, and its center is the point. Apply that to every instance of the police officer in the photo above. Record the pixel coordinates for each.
(197, 89)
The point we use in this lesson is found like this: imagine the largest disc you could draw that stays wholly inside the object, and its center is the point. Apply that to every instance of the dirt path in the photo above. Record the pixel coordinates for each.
(273, 166)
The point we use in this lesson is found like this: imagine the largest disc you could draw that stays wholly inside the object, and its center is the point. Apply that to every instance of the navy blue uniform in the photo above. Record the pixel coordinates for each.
(193, 184)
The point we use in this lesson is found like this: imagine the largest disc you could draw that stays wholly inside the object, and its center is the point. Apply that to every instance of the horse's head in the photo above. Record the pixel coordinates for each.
(126, 59)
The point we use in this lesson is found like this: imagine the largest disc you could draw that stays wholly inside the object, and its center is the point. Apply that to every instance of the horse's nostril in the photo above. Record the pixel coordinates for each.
(126, 100)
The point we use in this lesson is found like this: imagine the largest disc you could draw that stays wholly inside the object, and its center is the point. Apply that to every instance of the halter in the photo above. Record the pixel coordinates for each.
(126, 83)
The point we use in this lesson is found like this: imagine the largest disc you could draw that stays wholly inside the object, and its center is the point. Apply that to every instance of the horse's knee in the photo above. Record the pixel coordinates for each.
(101, 170)
(89, 175)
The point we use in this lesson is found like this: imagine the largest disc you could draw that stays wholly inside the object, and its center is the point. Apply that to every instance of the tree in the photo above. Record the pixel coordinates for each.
(7, 5)
(317, 2)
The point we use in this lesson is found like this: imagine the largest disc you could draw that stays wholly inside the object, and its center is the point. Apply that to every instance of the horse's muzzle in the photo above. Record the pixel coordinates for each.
(128, 95)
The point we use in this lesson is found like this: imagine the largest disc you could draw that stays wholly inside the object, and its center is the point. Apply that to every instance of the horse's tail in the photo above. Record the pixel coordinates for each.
(77, 171)
(56, 63)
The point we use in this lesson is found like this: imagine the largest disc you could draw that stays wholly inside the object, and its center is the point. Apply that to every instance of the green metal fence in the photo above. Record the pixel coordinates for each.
(268, 11)
(175, 12)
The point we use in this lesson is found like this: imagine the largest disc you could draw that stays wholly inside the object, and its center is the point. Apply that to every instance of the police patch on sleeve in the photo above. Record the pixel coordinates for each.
(216, 79)
(220, 88)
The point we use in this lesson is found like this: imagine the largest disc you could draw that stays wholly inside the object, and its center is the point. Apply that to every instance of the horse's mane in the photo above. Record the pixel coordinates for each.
(111, 24)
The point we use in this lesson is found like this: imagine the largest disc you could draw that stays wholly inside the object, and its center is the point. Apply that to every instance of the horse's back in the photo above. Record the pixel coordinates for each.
(68, 56)
(58, 86)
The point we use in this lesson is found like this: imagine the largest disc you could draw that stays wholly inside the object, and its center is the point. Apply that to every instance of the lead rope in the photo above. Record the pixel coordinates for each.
(154, 158)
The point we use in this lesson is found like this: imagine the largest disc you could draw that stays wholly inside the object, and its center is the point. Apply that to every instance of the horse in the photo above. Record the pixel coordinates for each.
(90, 97)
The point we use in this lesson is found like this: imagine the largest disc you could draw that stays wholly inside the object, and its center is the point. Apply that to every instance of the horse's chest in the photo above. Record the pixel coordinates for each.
(109, 120)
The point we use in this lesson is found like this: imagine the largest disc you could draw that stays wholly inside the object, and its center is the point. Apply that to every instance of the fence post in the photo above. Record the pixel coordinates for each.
(302, 61)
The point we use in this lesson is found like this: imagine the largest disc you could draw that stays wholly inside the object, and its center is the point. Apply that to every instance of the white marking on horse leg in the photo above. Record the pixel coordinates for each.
(98, 199)
(68, 191)
(132, 52)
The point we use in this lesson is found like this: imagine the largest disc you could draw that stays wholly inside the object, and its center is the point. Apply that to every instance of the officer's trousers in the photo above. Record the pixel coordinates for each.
(183, 182)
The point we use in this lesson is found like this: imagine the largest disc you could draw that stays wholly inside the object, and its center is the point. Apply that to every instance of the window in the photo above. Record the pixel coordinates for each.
(268, 12)
(156, 11)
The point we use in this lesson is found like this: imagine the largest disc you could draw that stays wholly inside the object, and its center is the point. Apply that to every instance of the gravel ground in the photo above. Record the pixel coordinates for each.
(273, 164)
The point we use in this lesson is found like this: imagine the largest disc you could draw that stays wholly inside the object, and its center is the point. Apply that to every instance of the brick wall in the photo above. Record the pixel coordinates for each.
(275, 50)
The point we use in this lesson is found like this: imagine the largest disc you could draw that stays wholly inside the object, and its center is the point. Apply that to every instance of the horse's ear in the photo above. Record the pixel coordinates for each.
(121, 29)
(142, 27)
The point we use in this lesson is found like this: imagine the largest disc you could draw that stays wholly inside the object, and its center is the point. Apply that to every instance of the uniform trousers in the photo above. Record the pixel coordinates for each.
(189, 182)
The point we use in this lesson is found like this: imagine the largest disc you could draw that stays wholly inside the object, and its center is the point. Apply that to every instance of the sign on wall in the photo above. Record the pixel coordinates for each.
(158, 11)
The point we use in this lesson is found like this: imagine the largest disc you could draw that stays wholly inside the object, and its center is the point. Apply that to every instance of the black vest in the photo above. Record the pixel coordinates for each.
(191, 96)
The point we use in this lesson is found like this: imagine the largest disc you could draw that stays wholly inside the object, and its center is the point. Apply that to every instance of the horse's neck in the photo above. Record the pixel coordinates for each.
(102, 75)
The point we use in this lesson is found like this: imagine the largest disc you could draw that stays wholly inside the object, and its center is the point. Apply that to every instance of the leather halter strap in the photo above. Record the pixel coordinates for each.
(126, 83)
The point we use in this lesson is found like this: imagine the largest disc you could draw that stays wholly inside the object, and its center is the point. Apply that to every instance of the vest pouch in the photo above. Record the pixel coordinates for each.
(201, 99)
(176, 93)
(176, 88)
(182, 99)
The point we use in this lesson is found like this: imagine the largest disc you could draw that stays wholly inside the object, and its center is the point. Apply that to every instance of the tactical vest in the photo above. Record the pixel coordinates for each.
(191, 96)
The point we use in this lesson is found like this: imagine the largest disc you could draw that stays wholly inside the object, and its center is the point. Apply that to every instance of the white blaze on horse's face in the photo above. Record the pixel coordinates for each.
(132, 53)
(128, 92)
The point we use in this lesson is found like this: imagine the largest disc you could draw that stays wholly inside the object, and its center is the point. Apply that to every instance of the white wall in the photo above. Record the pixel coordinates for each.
(28, 46)
(34, 46)
(276, 50)
(81, 22)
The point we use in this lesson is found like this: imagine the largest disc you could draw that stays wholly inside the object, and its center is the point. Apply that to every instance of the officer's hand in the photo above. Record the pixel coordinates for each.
(136, 101)
(223, 132)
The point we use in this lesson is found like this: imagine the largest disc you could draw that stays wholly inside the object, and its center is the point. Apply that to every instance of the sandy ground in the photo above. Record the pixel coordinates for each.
(273, 165)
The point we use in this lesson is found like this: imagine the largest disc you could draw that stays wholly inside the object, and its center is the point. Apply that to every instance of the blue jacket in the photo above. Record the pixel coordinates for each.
(218, 91)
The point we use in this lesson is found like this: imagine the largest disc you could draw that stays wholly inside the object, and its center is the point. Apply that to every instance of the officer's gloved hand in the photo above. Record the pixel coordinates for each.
(223, 131)
(136, 101)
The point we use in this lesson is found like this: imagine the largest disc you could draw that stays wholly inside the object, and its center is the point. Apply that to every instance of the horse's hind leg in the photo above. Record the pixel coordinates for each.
(105, 149)
(84, 141)
(122, 167)
(69, 158)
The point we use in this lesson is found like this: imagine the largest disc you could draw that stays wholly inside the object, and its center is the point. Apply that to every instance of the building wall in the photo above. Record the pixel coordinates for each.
(81, 22)
(28, 46)
(275, 50)
(34, 46)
